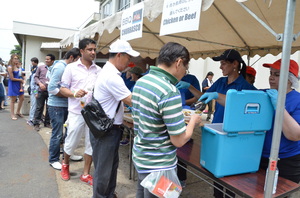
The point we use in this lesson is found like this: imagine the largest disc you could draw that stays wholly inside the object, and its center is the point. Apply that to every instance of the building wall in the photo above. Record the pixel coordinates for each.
(33, 49)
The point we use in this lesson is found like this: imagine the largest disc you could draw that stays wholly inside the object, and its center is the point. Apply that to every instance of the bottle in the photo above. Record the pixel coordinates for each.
(82, 101)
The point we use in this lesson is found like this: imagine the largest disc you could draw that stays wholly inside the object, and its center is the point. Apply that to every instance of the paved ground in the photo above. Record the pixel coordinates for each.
(23, 161)
(74, 188)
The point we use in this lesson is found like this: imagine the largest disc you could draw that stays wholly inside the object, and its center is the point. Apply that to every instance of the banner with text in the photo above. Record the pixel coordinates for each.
(180, 16)
(132, 22)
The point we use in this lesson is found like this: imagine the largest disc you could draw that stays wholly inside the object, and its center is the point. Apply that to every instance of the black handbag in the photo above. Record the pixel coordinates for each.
(96, 118)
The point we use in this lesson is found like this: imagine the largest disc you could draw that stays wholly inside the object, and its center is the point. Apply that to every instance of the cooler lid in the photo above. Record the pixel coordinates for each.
(247, 110)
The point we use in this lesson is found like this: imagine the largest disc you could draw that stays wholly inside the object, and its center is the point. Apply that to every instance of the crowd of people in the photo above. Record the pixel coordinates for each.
(60, 89)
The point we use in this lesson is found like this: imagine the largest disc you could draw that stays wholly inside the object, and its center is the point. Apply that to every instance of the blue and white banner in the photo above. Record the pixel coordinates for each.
(132, 22)
(180, 16)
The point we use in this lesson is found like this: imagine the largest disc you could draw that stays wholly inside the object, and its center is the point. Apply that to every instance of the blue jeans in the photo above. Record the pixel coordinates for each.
(2, 96)
(58, 116)
(32, 106)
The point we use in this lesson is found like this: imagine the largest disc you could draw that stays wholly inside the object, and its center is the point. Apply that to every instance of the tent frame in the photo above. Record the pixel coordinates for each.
(288, 38)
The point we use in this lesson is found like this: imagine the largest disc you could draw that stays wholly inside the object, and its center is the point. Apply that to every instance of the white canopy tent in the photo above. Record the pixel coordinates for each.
(252, 27)
(223, 25)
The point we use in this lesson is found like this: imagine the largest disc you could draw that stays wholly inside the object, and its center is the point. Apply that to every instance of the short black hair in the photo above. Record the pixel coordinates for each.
(171, 51)
(75, 52)
(84, 42)
(35, 60)
(52, 57)
(209, 74)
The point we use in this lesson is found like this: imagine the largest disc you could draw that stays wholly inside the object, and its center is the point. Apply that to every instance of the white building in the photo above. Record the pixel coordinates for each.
(39, 40)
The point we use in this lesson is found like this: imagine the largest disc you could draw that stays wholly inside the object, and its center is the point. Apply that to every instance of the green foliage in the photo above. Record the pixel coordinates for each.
(17, 50)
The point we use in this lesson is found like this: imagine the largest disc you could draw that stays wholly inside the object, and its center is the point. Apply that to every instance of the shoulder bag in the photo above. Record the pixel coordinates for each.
(96, 118)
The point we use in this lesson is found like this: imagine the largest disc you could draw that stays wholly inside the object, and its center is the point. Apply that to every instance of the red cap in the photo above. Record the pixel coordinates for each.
(294, 67)
(131, 64)
(251, 71)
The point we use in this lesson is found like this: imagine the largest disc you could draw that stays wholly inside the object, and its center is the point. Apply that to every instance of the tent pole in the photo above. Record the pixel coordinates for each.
(280, 108)
(277, 36)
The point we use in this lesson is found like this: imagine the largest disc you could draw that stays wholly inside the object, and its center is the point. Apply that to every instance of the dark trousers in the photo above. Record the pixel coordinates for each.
(40, 102)
(289, 168)
(141, 191)
(181, 171)
(2, 96)
(106, 162)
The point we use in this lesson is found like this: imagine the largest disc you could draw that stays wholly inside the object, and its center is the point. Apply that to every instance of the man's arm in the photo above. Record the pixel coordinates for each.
(181, 139)
(53, 86)
(70, 94)
(127, 100)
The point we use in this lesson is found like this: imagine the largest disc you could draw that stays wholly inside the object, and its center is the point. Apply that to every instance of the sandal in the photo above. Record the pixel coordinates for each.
(14, 118)
(19, 115)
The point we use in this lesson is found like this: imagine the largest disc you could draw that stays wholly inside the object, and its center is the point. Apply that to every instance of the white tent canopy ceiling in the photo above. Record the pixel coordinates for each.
(223, 25)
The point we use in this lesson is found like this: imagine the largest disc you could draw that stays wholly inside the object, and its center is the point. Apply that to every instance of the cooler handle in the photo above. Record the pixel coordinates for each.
(252, 108)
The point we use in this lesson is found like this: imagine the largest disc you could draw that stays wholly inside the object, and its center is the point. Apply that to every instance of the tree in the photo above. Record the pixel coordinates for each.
(17, 50)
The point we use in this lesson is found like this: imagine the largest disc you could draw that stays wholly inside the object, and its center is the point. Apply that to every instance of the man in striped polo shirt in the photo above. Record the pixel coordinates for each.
(157, 113)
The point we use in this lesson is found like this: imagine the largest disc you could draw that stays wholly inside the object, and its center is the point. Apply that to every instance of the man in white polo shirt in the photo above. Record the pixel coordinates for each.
(77, 83)
(111, 92)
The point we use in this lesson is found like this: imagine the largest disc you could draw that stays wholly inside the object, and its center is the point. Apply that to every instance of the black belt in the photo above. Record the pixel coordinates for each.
(116, 126)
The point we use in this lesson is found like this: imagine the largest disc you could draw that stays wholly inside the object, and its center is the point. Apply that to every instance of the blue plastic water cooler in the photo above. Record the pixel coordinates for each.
(235, 146)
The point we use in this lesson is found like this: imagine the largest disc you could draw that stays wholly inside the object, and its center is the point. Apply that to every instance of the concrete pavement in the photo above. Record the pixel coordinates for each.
(24, 167)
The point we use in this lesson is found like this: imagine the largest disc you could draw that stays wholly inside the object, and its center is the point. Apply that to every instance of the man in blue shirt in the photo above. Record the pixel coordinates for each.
(189, 97)
(58, 106)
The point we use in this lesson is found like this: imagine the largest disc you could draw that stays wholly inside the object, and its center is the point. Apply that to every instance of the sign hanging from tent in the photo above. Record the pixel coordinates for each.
(132, 22)
(180, 16)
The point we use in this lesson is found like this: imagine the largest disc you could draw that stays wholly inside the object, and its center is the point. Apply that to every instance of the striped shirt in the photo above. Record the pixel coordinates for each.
(157, 114)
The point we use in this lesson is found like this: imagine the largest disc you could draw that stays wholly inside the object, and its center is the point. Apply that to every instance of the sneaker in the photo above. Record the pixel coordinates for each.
(56, 165)
(124, 142)
(183, 183)
(64, 173)
(76, 157)
(87, 179)
(30, 123)
(37, 128)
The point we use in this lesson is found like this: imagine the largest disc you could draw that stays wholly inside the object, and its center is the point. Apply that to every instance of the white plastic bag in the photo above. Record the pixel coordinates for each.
(163, 184)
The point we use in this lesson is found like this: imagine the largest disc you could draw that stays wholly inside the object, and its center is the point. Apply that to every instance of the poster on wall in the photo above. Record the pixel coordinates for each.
(180, 16)
(132, 22)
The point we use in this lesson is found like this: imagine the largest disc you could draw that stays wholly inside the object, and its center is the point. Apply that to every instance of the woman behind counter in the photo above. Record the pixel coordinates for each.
(289, 150)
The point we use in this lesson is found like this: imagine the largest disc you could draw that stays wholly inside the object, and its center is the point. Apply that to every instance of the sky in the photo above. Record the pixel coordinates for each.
(57, 13)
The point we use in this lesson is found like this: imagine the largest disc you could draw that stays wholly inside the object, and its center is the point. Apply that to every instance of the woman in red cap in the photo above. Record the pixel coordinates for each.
(289, 151)
(250, 75)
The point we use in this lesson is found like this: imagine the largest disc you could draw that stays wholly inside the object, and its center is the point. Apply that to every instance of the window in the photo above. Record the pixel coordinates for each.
(107, 9)
(123, 4)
